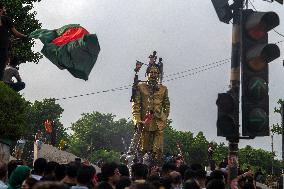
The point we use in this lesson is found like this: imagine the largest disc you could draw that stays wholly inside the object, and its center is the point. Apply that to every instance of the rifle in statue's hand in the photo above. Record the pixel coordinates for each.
(134, 88)
(136, 80)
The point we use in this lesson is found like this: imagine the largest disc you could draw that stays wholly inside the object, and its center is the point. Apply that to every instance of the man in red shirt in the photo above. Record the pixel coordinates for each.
(48, 130)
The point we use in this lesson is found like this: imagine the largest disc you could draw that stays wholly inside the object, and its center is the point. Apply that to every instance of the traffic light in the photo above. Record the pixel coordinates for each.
(223, 10)
(279, 1)
(228, 115)
(256, 53)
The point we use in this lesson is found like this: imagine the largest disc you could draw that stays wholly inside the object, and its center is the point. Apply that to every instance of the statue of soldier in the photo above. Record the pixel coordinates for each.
(150, 110)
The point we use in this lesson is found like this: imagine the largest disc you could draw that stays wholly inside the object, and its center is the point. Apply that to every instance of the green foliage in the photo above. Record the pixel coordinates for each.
(193, 148)
(106, 155)
(277, 128)
(220, 152)
(38, 113)
(257, 158)
(198, 149)
(13, 113)
(20, 11)
(43, 110)
(97, 136)
(96, 131)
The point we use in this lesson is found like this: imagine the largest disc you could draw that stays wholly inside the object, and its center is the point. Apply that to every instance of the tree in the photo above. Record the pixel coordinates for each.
(193, 148)
(38, 113)
(220, 152)
(106, 156)
(198, 149)
(43, 110)
(277, 128)
(96, 131)
(13, 122)
(25, 22)
(13, 113)
(257, 158)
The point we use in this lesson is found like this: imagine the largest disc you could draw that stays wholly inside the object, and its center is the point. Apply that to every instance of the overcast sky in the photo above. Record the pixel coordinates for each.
(185, 33)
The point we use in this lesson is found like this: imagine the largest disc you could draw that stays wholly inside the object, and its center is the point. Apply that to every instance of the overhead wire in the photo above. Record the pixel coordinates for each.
(178, 74)
(205, 68)
(124, 87)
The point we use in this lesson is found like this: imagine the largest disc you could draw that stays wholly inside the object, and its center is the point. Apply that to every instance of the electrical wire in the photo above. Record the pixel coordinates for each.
(212, 65)
(177, 73)
(252, 5)
(216, 64)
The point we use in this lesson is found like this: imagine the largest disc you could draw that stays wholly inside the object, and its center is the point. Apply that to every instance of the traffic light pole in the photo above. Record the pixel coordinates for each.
(282, 124)
(235, 88)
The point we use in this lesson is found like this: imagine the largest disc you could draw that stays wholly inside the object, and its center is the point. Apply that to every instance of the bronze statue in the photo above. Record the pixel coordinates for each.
(150, 110)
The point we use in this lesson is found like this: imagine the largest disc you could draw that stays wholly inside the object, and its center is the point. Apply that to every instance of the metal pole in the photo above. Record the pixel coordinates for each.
(235, 86)
(282, 124)
(91, 148)
(272, 150)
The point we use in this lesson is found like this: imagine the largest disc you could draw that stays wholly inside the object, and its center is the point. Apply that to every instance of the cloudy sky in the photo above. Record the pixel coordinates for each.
(186, 34)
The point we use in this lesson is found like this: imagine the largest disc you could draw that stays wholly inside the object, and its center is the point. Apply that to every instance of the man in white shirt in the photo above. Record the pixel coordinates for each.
(11, 72)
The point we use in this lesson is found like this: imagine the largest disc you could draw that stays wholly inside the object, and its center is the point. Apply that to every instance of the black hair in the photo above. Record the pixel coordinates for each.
(71, 169)
(123, 182)
(107, 170)
(143, 186)
(2, 5)
(85, 174)
(217, 174)
(104, 185)
(191, 184)
(139, 170)
(50, 167)
(166, 182)
(50, 185)
(3, 170)
(60, 171)
(248, 185)
(123, 170)
(169, 166)
(188, 174)
(215, 184)
(182, 168)
(39, 165)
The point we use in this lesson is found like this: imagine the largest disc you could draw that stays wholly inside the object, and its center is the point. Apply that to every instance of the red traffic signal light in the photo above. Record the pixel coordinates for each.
(257, 24)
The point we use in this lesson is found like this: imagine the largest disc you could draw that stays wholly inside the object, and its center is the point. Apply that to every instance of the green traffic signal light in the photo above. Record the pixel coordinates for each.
(257, 89)
(258, 120)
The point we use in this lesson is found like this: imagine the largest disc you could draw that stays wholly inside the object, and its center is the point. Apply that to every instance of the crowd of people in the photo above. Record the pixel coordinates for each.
(82, 175)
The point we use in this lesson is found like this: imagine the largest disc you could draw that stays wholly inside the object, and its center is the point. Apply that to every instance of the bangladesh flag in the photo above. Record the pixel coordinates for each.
(70, 47)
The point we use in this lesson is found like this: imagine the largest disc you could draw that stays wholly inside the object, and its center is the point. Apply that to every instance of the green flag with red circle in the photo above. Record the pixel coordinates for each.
(70, 47)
